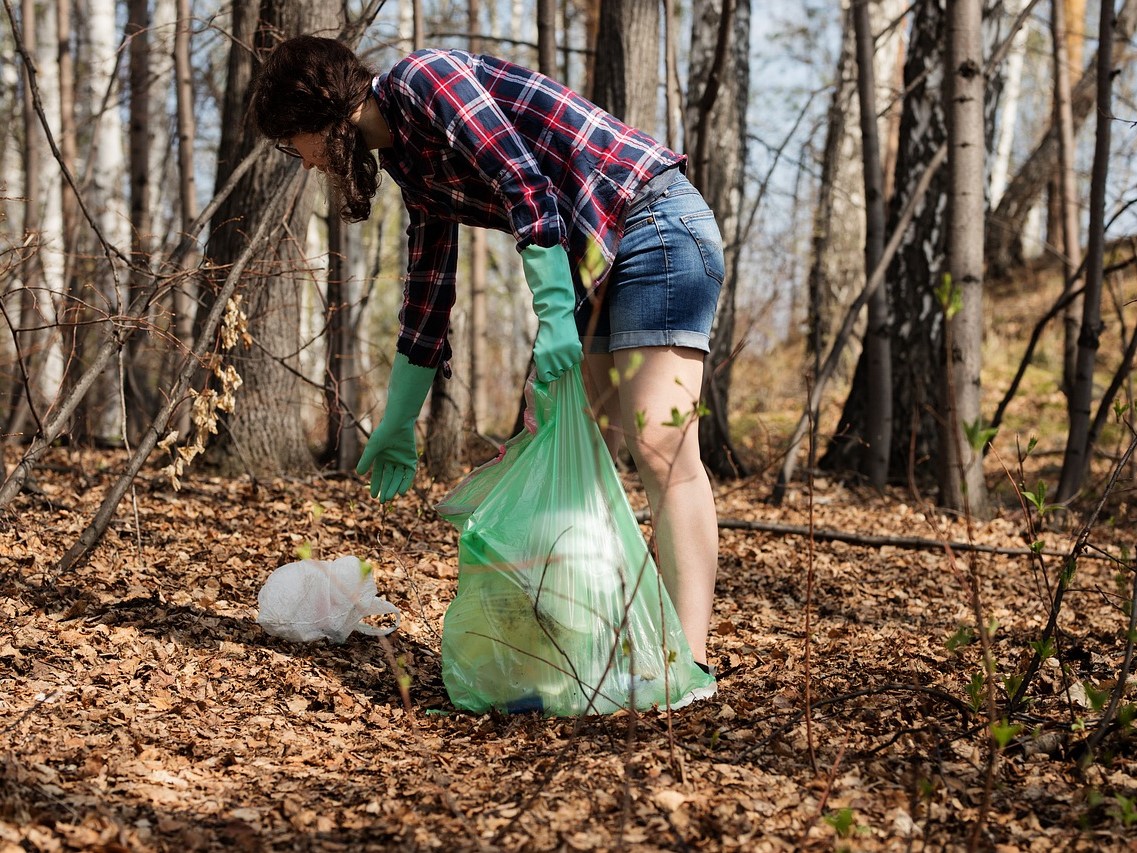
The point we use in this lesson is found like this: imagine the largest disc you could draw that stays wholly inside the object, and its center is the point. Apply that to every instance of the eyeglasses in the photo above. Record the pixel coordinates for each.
(285, 148)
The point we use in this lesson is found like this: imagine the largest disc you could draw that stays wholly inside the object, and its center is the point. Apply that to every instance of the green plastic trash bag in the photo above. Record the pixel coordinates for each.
(559, 607)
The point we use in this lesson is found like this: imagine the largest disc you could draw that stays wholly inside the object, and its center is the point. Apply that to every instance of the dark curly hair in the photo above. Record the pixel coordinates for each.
(309, 84)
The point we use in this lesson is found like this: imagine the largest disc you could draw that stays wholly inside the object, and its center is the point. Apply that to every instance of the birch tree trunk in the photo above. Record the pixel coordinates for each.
(45, 284)
(1076, 460)
(12, 154)
(1008, 106)
(962, 486)
(718, 91)
(674, 96)
(1007, 222)
(916, 320)
(102, 409)
(838, 224)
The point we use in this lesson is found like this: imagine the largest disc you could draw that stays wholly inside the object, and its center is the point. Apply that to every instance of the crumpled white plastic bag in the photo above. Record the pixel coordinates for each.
(315, 600)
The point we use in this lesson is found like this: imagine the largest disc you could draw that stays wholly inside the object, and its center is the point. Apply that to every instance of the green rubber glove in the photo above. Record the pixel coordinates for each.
(557, 347)
(390, 454)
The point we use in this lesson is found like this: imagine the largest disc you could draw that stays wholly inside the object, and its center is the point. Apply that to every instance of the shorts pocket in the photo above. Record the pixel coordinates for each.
(705, 231)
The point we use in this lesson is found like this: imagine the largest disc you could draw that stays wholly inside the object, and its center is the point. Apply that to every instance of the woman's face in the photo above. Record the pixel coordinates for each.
(310, 147)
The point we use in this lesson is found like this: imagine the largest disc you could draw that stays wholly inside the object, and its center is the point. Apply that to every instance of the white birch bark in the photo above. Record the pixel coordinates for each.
(11, 206)
(1008, 106)
(108, 180)
(962, 483)
(50, 373)
(11, 175)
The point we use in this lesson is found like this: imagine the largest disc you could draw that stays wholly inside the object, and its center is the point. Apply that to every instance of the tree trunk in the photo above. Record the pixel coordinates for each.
(341, 366)
(1007, 223)
(916, 320)
(186, 293)
(1065, 191)
(163, 183)
(674, 95)
(100, 413)
(11, 216)
(265, 434)
(1076, 460)
(1009, 100)
(443, 454)
(187, 125)
(477, 328)
(626, 72)
(44, 284)
(68, 143)
(30, 270)
(962, 486)
(547, 37)
(141, 399)
(878, 357)
(718, 91)
(838, 227)
(1066, 46)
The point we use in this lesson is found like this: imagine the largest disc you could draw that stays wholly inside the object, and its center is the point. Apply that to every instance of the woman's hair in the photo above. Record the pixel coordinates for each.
(314, 85)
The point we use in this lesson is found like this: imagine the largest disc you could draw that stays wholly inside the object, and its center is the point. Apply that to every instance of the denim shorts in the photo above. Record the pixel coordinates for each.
(663, 287)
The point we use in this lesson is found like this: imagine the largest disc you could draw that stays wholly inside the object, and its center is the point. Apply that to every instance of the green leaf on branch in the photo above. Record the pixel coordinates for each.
(1038, 498)
(979, 436)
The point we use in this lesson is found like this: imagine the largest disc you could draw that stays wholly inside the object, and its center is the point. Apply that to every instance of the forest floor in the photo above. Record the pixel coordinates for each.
(142, 708)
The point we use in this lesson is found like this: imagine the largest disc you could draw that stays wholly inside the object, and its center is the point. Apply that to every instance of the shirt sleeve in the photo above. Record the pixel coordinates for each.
(429, 292)
(444, 90)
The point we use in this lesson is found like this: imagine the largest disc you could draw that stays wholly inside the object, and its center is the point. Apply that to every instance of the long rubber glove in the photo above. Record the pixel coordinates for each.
(557, 347)
(390, 454)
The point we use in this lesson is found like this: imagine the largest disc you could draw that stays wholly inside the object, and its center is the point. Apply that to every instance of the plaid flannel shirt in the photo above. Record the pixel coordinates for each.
(483, 142)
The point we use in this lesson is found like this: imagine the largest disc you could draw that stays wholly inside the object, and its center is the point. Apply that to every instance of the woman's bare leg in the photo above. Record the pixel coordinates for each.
(654, 383)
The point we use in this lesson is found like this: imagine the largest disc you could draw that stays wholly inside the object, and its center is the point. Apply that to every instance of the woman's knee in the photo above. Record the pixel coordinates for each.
(666, 452)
